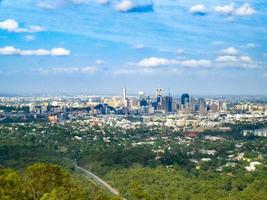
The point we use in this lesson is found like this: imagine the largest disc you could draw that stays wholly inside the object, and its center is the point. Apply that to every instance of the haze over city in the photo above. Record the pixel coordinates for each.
(97, 47)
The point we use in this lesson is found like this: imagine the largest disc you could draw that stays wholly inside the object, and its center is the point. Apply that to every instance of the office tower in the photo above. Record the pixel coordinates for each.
(123, 94)
(124, 97)
(159, 98)
(185, 99)
(141, 95)
(193, 104)
(175, 105)
(168, 104)
(155, 105)
(202, 105)
(142, 99)
(143, 103)
(224, 106)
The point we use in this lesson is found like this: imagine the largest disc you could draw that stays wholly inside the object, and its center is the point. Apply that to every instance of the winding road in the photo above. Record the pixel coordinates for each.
(98, 180)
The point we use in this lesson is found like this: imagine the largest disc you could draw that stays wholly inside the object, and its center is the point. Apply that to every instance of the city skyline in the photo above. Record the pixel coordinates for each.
(99, 46)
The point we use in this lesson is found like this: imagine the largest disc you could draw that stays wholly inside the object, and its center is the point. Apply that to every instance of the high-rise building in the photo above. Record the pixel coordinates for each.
(168, 104)
(141, 95)
(185, 99)
(124, 97)
(143, 102)
(202, 105)
(193, 105)
(175, 105)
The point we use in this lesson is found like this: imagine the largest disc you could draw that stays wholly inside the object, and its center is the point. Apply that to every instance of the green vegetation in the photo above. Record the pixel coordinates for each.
(146, 163)
(46, 182)
(161, 183)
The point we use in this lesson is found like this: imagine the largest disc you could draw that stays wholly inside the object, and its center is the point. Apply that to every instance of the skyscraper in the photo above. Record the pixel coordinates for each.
(124, 97)
(202, 105)
(185, 99)
(159, 99)
(141, 95)
(168, 104)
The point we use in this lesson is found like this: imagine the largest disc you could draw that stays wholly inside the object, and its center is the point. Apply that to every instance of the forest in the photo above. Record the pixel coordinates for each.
(37, 162)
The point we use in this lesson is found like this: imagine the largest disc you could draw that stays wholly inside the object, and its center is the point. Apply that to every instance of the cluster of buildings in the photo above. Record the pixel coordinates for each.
(152, 110)
(166, 104)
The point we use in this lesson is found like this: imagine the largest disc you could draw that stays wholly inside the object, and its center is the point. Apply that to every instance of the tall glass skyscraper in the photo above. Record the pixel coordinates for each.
(185, 99)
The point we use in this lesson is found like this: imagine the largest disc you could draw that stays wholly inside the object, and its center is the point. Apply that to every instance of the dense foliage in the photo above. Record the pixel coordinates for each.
(161, 183)
(46, 182)
(146, 163)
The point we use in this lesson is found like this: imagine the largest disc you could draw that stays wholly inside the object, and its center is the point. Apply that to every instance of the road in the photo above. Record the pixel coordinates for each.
(98, 180)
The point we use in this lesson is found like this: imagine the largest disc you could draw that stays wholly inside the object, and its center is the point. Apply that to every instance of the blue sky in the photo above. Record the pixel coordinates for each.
(99, 46)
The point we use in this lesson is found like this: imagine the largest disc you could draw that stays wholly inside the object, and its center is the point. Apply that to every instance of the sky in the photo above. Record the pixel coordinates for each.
(206, 47)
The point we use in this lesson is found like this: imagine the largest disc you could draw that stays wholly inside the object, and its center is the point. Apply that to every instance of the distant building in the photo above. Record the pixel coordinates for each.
(185, 99)
(168, 104)
(214, 107)
(159, 92)
(141, 95)
(202, 107)
(124, 97)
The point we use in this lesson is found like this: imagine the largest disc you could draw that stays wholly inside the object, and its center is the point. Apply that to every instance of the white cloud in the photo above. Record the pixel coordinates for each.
(29, 37)
(218, 43)
(139, 46)
(47, 5)
(155, 62)
(34, 29)
(54, 4)
(248, 46)
(226, 59)
(77, 2)
(126, 71)
(226, 9)
(245, 10)
(245, 59)
(38, 52)
(196, 63)
(131, 68)
(100, 62)
(12, 25)
(179, 51)
(89, 70)
(230, 51)
(134, 6)
(164, 50)
(10, 50)
(60, 52)
(125, 5)
(198, 9)
(103, 2)
(234, 61)
(68, 70)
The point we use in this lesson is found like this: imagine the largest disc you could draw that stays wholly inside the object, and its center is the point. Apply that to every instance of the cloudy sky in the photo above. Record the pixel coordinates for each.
(99, 46)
